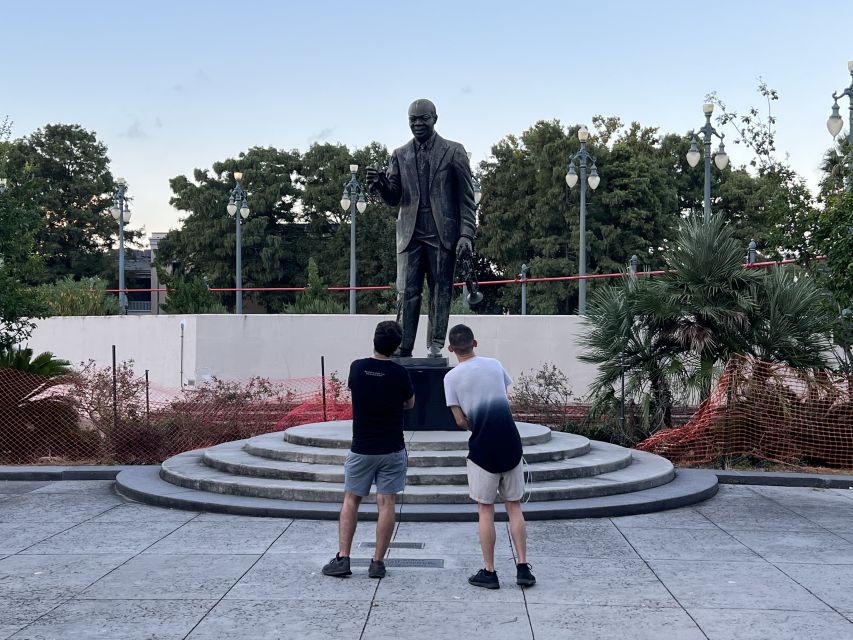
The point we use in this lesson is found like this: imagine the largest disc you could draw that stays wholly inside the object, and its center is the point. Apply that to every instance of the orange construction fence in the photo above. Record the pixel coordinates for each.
(767, 411)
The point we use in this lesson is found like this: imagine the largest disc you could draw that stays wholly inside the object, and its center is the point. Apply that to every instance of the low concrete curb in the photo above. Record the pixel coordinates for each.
(785, 479)
(689, 487)
(82, 472)
(109, 472)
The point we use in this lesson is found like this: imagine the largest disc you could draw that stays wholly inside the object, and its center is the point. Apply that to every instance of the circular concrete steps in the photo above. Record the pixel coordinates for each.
(233, 458)
(299, 473)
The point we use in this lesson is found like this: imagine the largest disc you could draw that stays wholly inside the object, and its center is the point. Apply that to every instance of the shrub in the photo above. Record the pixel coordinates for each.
(190, 295)
(316, 298)
(543, 396)
(84, 297)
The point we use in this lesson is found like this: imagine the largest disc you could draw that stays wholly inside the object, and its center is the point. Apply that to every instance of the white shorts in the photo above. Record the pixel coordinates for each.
(484, 487)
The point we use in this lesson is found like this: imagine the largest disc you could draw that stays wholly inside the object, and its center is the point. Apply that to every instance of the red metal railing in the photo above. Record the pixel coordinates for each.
(516, 280)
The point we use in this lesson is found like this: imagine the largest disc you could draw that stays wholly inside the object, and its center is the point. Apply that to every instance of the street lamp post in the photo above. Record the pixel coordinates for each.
(239, 201)
(353, 199)
(721, 159)
(581, 157)
(835, 124)
(121, 213)
(3, 187)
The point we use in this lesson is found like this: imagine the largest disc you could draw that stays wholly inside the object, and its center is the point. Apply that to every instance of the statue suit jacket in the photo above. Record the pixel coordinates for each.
(451, 192)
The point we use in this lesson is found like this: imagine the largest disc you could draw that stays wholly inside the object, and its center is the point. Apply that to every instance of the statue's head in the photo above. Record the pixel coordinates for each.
(422, 119)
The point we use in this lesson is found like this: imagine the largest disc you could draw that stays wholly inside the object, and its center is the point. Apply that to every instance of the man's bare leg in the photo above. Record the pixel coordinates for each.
(517, 529)
(486, 514)
(348, 523)
(385, 524)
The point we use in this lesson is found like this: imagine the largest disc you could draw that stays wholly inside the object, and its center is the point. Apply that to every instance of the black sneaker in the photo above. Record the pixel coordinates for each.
(485, 579)
(377, 569)
(523, 577)
(337, 567)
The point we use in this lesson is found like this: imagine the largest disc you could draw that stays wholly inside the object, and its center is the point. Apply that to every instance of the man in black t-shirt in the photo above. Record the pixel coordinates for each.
(381, 391)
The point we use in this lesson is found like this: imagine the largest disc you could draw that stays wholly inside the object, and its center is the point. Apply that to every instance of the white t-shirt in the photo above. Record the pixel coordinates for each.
(478, 387)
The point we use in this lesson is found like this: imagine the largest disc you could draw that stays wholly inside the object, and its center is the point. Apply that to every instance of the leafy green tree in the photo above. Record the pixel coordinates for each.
(529, 216)
(638, 204)
(18, 308)
(66, 171)
(189, 295)
(19, 224)
(325, 170)
(834, 239)
(778, 202)
(316, 298)
(273, 251)
(295, 214)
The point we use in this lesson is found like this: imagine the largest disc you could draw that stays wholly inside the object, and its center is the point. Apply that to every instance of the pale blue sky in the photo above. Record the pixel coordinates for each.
(171, 86)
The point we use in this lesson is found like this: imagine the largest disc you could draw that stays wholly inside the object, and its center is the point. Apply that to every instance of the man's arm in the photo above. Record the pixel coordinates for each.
(459, 416)
(410, 403)
(467, 215)
(387, 185)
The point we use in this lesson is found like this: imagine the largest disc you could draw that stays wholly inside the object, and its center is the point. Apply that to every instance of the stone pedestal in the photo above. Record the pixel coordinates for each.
(430, 412)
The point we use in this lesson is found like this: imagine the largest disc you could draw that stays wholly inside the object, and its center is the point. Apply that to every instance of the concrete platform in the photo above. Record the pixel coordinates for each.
(78, 561)
(337, 434)
(299, 473)
(689, 486)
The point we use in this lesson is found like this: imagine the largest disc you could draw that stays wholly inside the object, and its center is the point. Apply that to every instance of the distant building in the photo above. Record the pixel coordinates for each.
(142, 276)
(157, 298)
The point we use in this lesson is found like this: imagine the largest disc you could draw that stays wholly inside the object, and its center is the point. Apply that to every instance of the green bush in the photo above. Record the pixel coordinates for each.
(84, 297)
(190, 295)
(316, 298)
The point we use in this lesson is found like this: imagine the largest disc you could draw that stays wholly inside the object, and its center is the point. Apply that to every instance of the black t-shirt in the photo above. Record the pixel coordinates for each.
(379, 389)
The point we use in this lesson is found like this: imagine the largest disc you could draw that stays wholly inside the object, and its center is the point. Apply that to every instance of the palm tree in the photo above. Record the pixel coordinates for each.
(44, 364)
(704, 301)
(624, 340)
(34, 421)
(672, 335)
(793, 320)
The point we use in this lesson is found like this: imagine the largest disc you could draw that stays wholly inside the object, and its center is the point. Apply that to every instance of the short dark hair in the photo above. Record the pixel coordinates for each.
(387, 337)
(461, 338)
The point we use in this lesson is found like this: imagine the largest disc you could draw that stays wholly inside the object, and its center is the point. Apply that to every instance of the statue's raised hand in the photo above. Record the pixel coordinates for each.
(375, 178)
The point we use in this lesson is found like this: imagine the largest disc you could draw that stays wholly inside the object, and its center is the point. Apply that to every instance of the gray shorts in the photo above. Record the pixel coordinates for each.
(485, 487)
(387, 470)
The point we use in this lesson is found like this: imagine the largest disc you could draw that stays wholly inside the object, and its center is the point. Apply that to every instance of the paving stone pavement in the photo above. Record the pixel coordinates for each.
(752, 563)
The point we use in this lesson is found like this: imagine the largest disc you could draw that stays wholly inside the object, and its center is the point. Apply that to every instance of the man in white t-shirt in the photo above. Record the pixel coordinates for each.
(475, 391)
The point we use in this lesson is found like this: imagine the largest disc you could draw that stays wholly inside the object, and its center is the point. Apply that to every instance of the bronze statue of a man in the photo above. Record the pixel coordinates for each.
(430, 179)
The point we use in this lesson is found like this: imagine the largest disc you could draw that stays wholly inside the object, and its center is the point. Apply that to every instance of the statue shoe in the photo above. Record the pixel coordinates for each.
(434, 352)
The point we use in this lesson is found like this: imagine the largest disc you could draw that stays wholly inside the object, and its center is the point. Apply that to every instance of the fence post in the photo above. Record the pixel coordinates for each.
(147, 402)
(633, 267)
(622, 401)
(750, 254)
(115, 393)
(323, 384)
(524, 289)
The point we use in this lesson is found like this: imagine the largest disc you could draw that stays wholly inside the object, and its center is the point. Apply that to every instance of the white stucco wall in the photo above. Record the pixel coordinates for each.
(290, 346)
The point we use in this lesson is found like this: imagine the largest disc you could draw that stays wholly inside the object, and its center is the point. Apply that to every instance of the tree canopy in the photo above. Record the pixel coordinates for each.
(64, 171)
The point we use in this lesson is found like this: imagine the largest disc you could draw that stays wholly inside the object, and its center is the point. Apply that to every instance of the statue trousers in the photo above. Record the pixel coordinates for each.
(437, 264)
